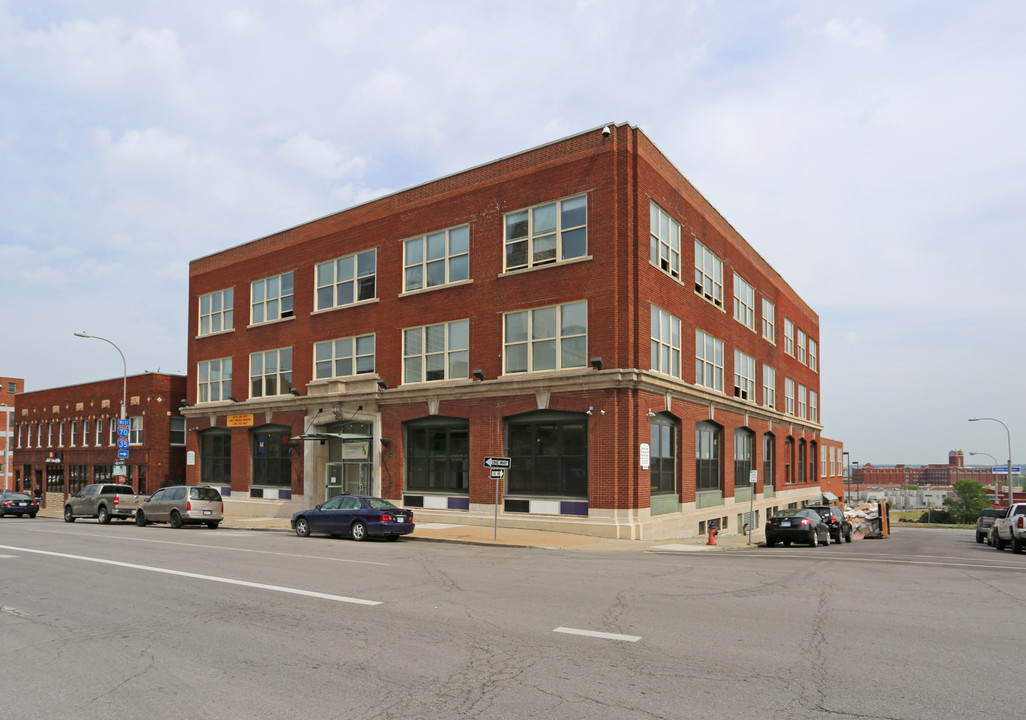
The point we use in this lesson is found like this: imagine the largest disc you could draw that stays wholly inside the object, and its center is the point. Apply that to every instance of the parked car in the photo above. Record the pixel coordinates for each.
(986, 521)
(102, 501)
(182, 505)
(12, 503)
(358, 516)
(1010, 529)
(801, 525)
(832, 515)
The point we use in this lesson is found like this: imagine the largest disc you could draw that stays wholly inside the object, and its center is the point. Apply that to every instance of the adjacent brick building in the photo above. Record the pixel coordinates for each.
(9, 389)
(67, 437)
(578, 308)
(933, 475)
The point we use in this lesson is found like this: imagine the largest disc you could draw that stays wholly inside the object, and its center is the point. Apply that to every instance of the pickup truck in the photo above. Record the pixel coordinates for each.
(102, 501)
(1010, 529)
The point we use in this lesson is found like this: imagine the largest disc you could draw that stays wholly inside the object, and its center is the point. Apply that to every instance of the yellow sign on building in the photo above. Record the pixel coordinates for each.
(240, 420)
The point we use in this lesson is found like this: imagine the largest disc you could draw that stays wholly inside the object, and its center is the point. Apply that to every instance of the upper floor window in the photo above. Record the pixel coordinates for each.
(813, 355)
(547, 233)
(548, 338)
(60, 434)
(769, 326)
(665, 342)
(664, 231)
(813, 406)
(343, 357)
(270, 372)
(436, 352)
(213, 381)
(99, 431)
(85, 433)
(346, 280)
(802, 346)
(177, 430)
(217, 311)
(437, 259)
(789, 396)
(708, 361)
(802, 402)
(708, 274)
(744, 376)
(789, 337)
(74, 434)
(769, 386)
(135, 431)
(271, 298)
(744, 302)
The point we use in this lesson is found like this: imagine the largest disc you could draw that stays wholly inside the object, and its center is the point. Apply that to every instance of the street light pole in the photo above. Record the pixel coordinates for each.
(124, 391)
(1009, 433)
(846, 459)
(7, 443)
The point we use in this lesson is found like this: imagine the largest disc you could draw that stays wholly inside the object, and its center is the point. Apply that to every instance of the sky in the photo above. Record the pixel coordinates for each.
(873, 152)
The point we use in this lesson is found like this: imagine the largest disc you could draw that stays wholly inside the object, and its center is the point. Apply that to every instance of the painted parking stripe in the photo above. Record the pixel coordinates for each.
(596, 634)
(197, 576)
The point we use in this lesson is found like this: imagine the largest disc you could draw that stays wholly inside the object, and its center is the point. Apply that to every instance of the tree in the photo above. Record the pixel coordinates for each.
(966, 500)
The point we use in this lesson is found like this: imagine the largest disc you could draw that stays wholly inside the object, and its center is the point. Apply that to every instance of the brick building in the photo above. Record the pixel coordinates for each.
(933, 475)
(66, 437)
(9, 389)
(578, 308)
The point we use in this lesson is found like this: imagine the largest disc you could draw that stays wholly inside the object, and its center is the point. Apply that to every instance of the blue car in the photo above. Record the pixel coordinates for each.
(357, 516)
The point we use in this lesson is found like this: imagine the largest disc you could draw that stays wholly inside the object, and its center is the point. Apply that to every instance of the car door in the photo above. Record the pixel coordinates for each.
(321, 519)
(347, 513)
(152, 508)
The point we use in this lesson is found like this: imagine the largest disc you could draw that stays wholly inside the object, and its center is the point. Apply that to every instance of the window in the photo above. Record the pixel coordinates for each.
(213, 381)
(744, 302)
(769, 456)
(769, 327)
(823, 460)
(12, 387)
(216, 457)
(665, 342)
(344, 357)
(547, 233)
(177, 436)
(49, 434)
(74, 428)
(438, 455)
(789, 396)
(801, 461)
(60, 434)
(135, 431)
(271, 298)
(548, 338)
(436, 352)
(789, 337)
(708, 361)
(217, 311)
(813, 355)
(85, 433)
(549, 454)
(813, 406)
(663, 452)
(707, 456)
(665, 241)
(99, 432)
(802, 402)
(769, 386)
(812, 461)
(437, 259)
(744, 376)
(708, 274)
(39, 435)
(744, 456)
(112, 431)
(346, 280)
(789, 460)
(802, 345)
(271, 464)
(270, 373)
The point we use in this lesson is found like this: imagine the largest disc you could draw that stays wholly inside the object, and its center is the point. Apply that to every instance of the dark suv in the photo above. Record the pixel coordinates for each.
(834, 517)
(986, 521)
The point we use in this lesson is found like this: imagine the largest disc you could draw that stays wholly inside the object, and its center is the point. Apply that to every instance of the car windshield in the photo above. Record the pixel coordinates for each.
(795, 514)
(379, 504)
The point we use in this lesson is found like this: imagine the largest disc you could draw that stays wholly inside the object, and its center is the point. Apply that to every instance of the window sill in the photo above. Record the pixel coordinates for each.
(433, 288)
(359, 303)
(546, 266)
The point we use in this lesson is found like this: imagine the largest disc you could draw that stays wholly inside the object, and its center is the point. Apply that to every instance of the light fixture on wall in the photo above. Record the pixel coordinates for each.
(650, 413)
(382, 384)
(185, 403)
(596, 362)
(479, 374)
(233, 398)
(294, 391)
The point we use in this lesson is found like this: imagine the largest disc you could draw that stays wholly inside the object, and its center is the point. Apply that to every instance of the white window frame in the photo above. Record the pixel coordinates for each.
(666, 342)
(73, 434)
(813, 406)
(788, 396)
(813, 355)
(330, 356)
(135, 430)
(270, 298)
(708, 361)
(665, 234)
(176, 428)
(788, 337)
(205, 385)
(522, 349)
(769, 321)
(744, 376)
(447, 251)
(112, 431)
(708, 274)
(803, 407)
(744, 302)
(85, 433)
(425, 346)
(347, 279)
(802, 347)
(60, 434)
(99, 432)
(534, 237)
(217, 311)
(274, 382)
(769, 387)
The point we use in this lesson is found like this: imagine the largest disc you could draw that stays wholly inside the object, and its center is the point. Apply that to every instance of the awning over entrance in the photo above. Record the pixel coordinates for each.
(352, 437)
(829, 497)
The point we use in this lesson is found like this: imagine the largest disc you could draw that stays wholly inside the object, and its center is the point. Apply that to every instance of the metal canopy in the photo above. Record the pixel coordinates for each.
(352, 437)
(830, 497)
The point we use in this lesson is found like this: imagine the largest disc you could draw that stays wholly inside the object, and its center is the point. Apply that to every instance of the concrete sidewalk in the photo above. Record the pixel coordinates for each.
(508, 537)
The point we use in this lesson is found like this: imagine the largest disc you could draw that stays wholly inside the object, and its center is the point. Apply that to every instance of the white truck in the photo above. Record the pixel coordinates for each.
(102, 501)
(1010, 529)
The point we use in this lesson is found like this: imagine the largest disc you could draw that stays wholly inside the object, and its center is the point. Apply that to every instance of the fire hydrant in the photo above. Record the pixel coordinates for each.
(713, 532)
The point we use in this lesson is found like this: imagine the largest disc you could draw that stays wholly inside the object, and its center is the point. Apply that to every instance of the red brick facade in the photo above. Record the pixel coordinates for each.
(9, 389)
(620, 174)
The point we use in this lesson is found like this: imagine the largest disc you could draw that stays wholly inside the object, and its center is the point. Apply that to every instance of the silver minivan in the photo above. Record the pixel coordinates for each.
(182, 505)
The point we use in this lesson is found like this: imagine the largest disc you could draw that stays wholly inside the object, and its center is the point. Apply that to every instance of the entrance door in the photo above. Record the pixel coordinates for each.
(333, 480)
(348, 477)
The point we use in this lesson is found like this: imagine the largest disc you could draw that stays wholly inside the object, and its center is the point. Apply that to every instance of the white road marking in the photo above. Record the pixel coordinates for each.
(197, 576)
(595, 634)
(679, 547)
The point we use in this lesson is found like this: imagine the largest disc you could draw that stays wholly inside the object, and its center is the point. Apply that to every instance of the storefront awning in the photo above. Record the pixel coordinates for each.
(344, 437)
(829, 497)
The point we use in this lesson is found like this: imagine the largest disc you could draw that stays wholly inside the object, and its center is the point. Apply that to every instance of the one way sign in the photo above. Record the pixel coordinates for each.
(497, 462)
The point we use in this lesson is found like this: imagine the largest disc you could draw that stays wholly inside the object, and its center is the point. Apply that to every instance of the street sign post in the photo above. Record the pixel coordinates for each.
(1003, 470)
(498, 462)
(496, 466)
(496, 474)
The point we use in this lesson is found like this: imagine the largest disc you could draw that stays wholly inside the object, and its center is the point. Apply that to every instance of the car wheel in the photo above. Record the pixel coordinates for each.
(140, 518)
(847, 538)
(787, 543)
(213, 525)
(979, 537)
(771, 543)
(176, 520)
(32, 515)
(358, 531)
(1016, 546)
(102, 516)
(68, 515)
(303, 527)
(814, 542)
(393, 537)
(998, 543)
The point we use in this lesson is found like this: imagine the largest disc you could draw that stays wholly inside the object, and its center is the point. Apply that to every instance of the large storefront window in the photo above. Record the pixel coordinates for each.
(216, 457)
(707, 456)
(663, 454)
(272, 463)
(744, 456)
(438, 455)
(549, 454)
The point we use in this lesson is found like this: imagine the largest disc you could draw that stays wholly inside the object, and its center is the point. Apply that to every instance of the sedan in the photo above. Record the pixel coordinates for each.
(357, 516)
(12, 503)
(800, 525)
